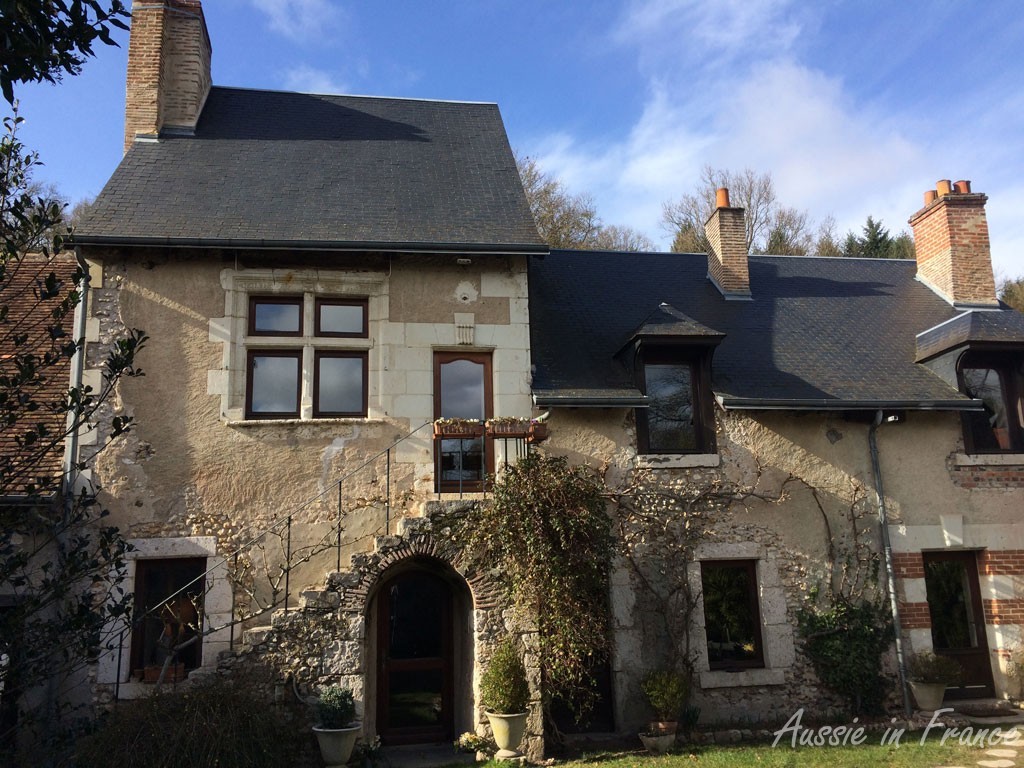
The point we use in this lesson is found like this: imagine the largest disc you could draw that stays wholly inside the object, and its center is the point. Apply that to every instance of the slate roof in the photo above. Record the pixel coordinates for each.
(820, 333)
(975, 327)
(277, 169)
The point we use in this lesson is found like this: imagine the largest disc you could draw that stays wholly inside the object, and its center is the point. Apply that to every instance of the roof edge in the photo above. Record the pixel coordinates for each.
(765, 404)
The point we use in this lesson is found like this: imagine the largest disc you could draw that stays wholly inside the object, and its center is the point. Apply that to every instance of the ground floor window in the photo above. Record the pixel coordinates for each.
(732, 617)
(167, 617)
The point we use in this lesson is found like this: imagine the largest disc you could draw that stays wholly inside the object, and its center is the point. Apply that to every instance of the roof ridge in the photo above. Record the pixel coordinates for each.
(353, 95)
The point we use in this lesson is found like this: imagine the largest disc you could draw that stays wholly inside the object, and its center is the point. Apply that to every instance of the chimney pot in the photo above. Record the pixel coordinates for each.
(722, 198)
(930, 196)
(944, 187)
(962, 187)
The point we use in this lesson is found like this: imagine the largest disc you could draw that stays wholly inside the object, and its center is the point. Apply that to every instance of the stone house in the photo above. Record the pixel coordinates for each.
(324, 276)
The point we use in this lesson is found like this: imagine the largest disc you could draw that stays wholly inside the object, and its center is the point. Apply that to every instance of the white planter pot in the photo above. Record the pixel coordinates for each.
(336, 744)
(928, 695)
(658, 743)
(508, 733)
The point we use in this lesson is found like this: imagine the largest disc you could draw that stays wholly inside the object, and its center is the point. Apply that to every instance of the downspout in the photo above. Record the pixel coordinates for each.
(890, 576)
(81, 317)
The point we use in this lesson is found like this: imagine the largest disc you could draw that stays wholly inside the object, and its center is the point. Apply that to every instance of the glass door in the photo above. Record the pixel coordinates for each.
(462, 390)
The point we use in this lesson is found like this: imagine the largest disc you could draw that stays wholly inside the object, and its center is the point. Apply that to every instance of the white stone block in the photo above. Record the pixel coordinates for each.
(429, 334)
(998, 587)
(773, 606)
(779, 650)
(392, 333)
(952, 530)
(511, 384)
(419, 382)
(914, 590)
(623, 601)
(92, 329)
(416, 408)
(920, 640)
(518, 310)
(217, 382)
(220, 329)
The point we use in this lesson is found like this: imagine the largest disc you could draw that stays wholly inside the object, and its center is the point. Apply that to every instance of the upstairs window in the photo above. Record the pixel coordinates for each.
(997, 382)
(677, 419)
(297, 341)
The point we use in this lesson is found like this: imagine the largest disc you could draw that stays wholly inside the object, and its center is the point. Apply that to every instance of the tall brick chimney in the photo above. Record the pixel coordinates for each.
(727, 263)
(168, 68)
(951, 239)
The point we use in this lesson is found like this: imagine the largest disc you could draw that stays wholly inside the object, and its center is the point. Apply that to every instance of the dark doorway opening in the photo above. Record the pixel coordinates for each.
(958, 619)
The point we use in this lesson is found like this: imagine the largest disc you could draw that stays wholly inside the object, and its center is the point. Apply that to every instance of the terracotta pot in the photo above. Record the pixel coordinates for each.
(662, 726)
(336, 744)
(508, 733)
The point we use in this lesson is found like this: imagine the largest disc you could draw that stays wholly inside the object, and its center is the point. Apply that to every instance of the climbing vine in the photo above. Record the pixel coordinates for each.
(546, 536)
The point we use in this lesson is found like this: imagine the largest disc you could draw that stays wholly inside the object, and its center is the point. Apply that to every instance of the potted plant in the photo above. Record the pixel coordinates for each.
(505, 693)
(929, 675)
(337, 732)
(667, 692)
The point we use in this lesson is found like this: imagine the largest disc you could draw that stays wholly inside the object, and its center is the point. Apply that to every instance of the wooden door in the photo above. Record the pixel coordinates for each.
(415, 686)
(958, 619)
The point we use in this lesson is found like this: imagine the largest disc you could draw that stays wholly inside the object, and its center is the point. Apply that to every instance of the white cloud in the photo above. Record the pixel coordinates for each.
(312, 80)
(304, 21)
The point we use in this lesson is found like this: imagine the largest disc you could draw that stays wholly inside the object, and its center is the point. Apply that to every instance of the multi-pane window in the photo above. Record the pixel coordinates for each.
(292, 334)
(462, 390)
(674, 420)
(998, 385)
(732, 617)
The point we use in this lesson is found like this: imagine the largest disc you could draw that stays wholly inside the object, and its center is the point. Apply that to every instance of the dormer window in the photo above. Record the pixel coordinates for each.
(677, 416)
(998, 381)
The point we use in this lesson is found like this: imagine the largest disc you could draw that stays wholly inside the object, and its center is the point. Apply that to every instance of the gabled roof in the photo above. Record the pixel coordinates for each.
(290, 170)
(667, 322)
(820, 333)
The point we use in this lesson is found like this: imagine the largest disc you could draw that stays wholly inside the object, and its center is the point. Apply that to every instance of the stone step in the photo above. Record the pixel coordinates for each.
(256, 635)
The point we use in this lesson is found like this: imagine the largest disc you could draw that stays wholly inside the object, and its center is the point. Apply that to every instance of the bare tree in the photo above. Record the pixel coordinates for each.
(566, 220)
(748, 189)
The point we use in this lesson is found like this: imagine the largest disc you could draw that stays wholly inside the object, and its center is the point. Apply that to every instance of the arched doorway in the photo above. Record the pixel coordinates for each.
(421, 649)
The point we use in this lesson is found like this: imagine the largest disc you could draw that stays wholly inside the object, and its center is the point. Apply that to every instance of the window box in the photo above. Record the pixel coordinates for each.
(509, 427)
(538, 432)
(458, 428)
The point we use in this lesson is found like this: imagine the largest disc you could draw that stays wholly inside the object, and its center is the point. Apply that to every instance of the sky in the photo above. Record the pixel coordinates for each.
(855, 107)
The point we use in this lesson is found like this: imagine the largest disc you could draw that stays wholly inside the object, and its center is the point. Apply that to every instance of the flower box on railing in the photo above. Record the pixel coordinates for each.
(458, 428)
(538, 432)
(508, 427)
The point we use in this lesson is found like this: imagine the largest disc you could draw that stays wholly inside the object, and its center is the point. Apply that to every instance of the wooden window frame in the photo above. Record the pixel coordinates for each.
(700, 392)
(296, 301)
(252, 353)
(137, 647)
(364, 304)
(755, 608)
(1013, 399)
(472, 486)
(318, 355)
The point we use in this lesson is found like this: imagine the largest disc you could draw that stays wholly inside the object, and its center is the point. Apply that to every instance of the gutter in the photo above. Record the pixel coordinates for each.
(890, 576)
(311, 245)
(759, 404)
(554, 401)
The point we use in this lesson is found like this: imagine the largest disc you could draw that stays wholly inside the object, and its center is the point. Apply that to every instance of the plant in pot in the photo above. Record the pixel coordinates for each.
(667, 692)
(928, 675)
(505, 693)
(338, 730)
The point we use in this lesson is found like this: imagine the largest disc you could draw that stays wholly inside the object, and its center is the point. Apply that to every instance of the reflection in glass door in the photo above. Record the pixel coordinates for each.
(958, 621)
(415, 647)
(462, 390)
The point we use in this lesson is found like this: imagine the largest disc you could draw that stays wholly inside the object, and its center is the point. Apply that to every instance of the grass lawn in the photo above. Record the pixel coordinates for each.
(910, 755)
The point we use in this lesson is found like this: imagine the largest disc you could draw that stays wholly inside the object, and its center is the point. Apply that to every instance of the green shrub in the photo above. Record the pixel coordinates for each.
(926, 667)
(503, 687)
(667, 692)
(845, 644)
(223, 723)
(336, 708)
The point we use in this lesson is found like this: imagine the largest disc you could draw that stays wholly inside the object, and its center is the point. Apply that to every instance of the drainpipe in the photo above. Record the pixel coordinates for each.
(81, 317)
(890, 577)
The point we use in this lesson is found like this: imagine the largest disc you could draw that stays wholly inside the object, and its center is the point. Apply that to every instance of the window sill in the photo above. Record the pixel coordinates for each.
(677, 460)
(988, 459)
(748, 677)
(298, 422)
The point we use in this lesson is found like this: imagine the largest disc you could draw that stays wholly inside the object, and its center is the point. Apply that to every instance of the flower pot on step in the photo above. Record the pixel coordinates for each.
(508, 733)
(336, 744)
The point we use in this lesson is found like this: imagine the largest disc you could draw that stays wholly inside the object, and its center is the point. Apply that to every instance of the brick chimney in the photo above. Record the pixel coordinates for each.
(726, 231)
(168, 68)
(951, 239)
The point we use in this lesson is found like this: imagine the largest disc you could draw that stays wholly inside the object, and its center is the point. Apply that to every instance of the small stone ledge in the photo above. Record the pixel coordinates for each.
(298, 422)
(746, 678)
(678, 461)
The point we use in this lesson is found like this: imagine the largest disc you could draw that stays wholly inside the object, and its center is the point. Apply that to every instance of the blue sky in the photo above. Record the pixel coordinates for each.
(856, 107)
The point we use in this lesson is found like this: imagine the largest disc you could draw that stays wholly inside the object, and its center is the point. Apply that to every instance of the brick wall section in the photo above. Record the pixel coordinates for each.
(908, 565)
(953, 253)
(915, 616)
(1004, 611)
(168, 66)
(727, 263)
(987, 477)
(1003, 562)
